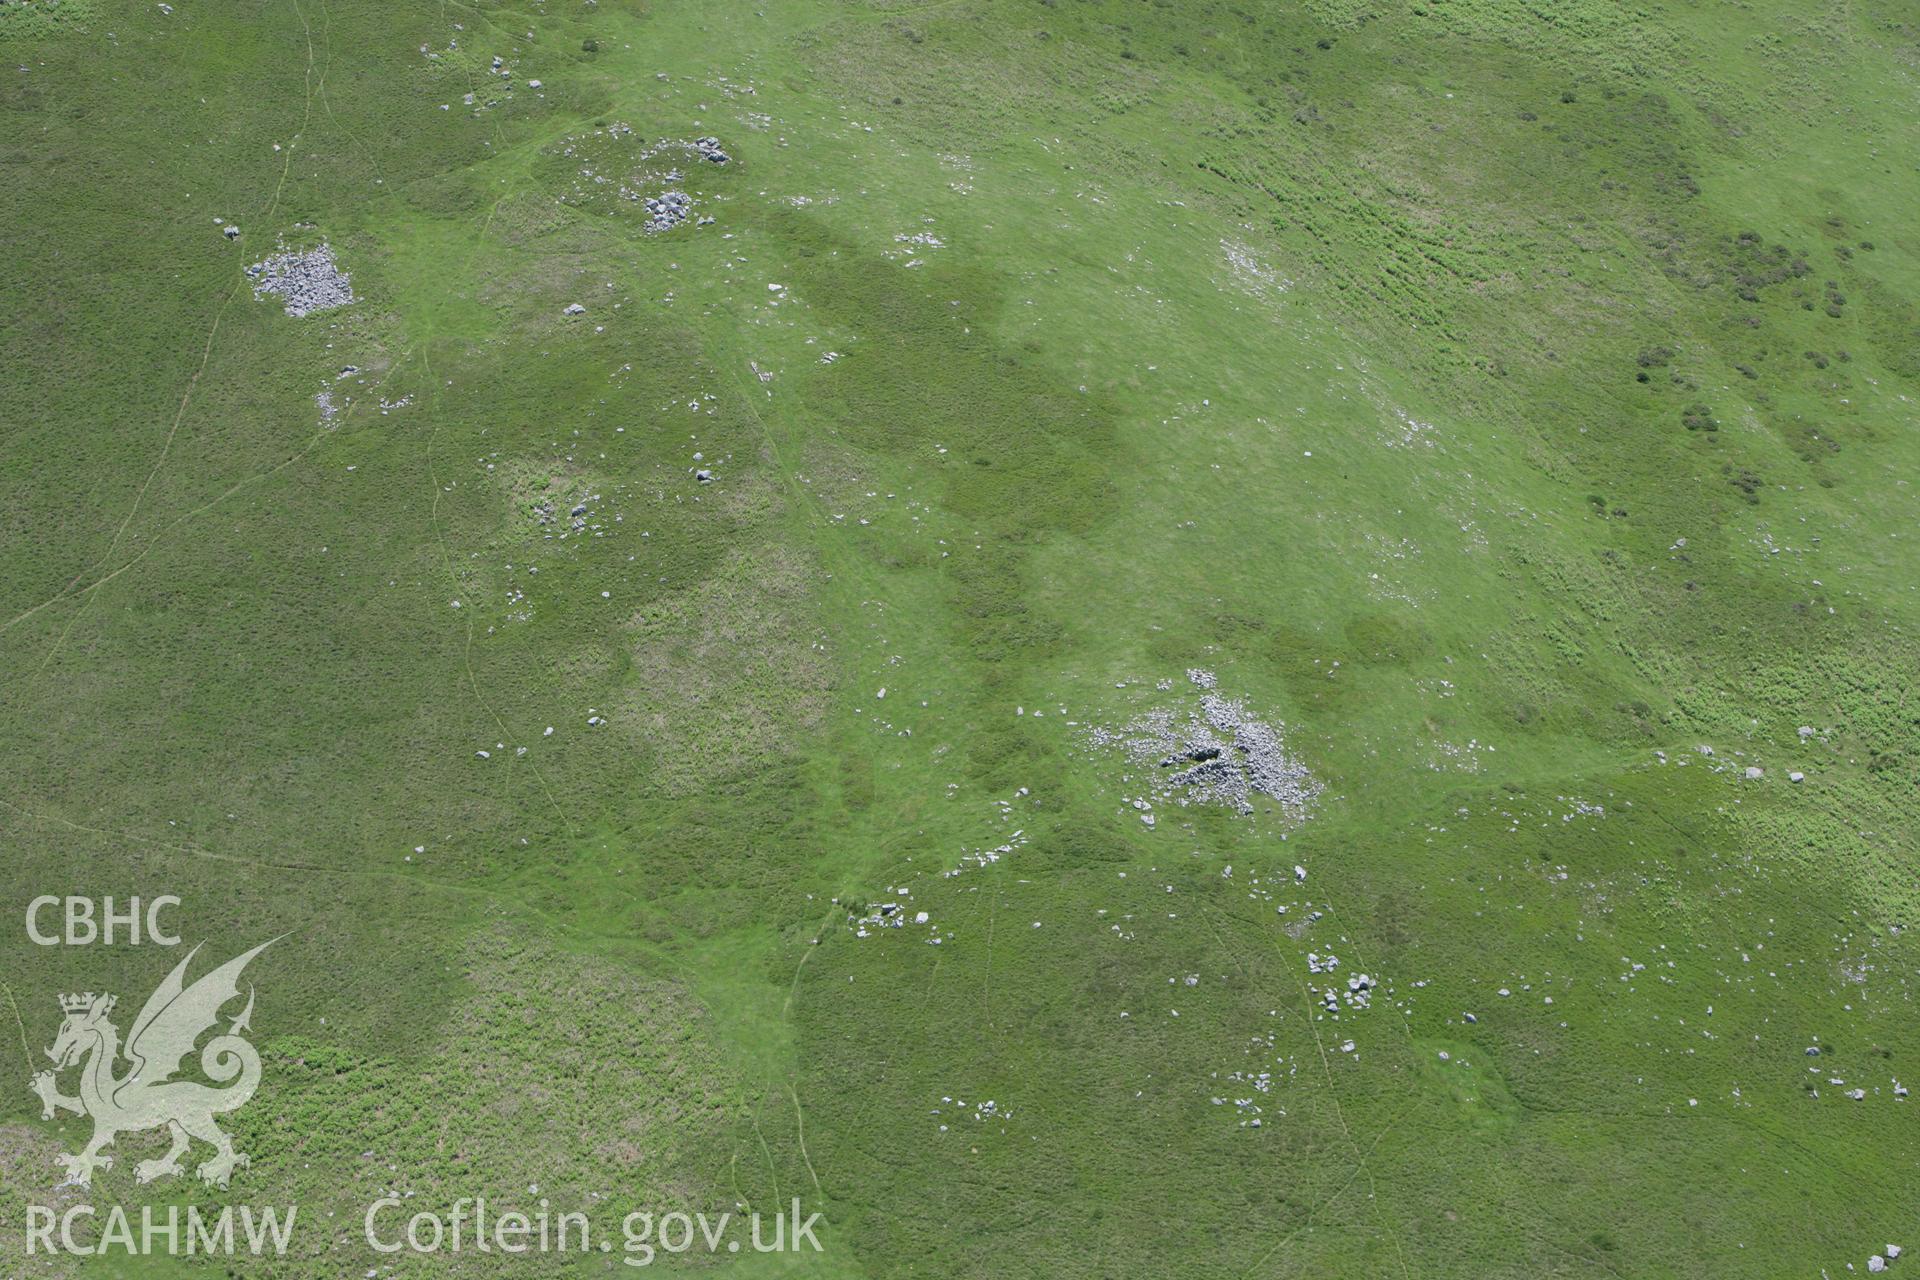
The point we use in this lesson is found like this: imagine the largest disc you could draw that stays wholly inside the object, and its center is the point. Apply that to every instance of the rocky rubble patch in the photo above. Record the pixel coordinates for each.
(667, 210)
(305, 282)
(1214, 751)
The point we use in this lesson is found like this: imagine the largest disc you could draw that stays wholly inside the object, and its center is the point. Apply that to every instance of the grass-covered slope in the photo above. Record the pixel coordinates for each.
(1511, 405)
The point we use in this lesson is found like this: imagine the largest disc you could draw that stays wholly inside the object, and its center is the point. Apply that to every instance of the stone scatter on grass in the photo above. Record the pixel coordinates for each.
(305, 282)
(615, 168)
(1217, 752)
(667, 210)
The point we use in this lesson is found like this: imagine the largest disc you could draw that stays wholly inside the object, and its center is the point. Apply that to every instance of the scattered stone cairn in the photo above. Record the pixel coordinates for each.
(1217, 754)
(672, 207)
(668, 209)
(305, 282)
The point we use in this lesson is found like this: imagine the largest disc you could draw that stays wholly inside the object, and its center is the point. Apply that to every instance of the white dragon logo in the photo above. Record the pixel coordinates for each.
(147, 1096)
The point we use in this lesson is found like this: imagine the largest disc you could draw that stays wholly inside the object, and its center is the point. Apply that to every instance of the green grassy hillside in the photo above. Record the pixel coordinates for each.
(597, 644)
